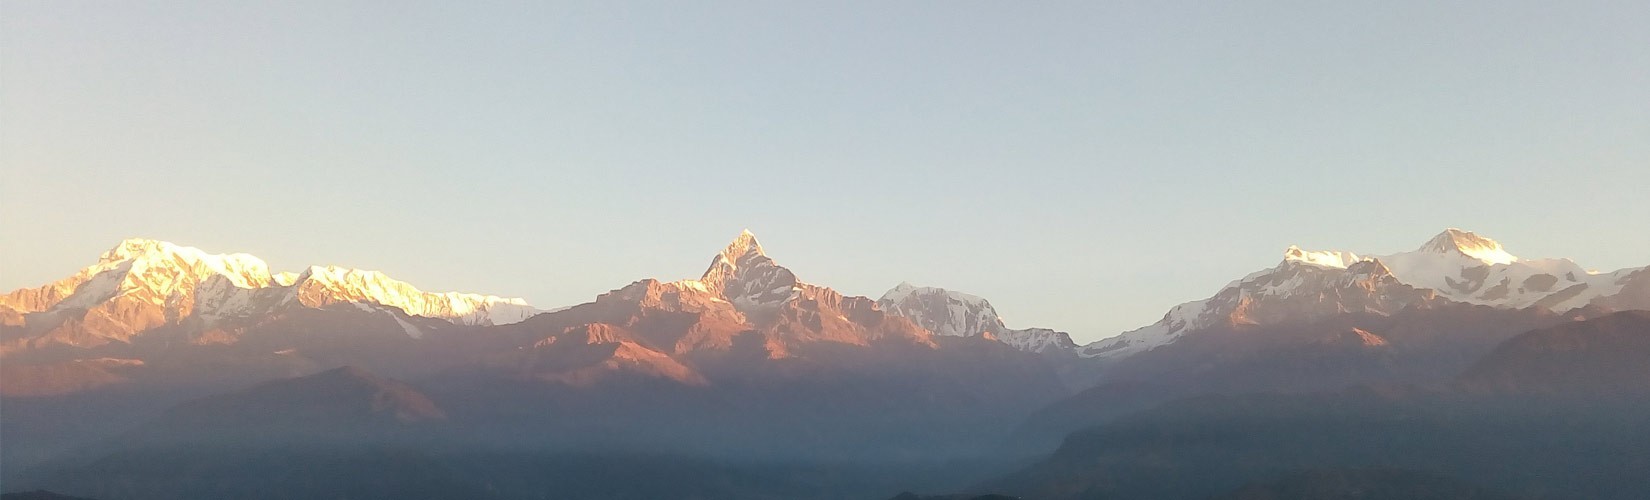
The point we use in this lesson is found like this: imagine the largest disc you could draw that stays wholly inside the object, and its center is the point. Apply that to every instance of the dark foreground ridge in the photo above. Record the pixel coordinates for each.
(38, 495)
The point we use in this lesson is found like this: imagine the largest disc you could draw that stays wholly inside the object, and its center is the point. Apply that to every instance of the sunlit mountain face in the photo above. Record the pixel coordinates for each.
(165, 371)
(1456, 266)
(143, 285)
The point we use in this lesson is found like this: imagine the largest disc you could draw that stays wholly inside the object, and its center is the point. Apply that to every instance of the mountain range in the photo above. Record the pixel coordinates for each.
(1453, 267)
(141, 285)
(157, 346)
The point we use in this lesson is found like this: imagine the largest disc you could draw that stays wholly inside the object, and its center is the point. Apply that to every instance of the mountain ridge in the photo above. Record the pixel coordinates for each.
(1453, 266)
(957, 314)
(141, 284)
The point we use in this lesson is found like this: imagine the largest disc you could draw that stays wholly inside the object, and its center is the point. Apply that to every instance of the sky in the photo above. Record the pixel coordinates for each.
(1083, 165)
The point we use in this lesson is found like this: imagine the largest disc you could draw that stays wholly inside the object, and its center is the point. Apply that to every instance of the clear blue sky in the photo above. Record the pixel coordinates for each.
(1084, 165)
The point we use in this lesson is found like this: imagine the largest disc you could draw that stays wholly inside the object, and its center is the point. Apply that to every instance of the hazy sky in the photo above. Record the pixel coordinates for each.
(1084, 165)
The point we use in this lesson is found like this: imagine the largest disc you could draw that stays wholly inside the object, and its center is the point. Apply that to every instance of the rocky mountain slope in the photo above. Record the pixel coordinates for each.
(1607, 356)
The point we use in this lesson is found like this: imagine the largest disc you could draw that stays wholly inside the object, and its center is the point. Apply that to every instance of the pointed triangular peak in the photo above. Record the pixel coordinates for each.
(743, 249)
(743, 244)
(743, 274)
(1467, 243)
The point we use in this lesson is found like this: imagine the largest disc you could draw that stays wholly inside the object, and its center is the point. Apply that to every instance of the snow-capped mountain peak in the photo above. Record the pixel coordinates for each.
(322, 285)
(142, 284)
(957, 314)
(747, 277)
(942, 311)
(136, 285)
(1454, 266)
(157, 273)
(744, 247)
(243, 270)
(1467, 243)
(741, 254)
(744, 243)
(1328, 258)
